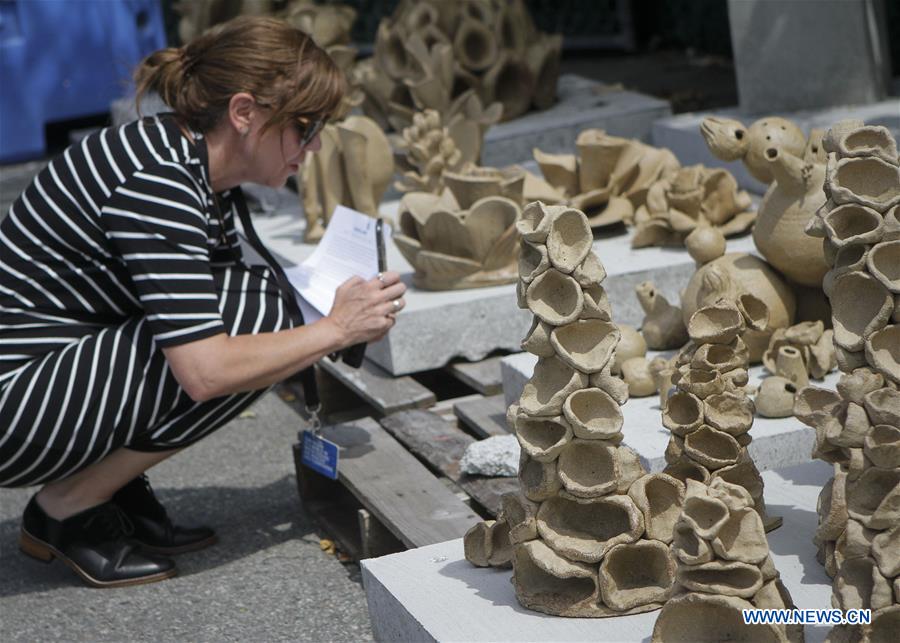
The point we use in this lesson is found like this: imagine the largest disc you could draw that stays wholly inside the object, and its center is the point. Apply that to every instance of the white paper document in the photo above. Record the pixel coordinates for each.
(349, 247)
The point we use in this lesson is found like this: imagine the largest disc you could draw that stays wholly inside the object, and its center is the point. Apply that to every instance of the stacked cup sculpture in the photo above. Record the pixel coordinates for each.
(589, 533)
(858, 426)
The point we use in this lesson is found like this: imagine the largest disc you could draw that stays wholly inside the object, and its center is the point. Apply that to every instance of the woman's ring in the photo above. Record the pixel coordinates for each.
(380, 277)
(396, 304)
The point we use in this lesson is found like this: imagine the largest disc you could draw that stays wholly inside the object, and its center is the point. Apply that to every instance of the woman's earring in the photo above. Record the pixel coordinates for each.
(244, 131)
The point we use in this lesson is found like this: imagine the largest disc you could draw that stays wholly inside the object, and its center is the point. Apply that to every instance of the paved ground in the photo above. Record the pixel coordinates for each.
(266, 580)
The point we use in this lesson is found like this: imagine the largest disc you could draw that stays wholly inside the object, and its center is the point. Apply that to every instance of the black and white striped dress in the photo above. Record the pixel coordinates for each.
(113, 252)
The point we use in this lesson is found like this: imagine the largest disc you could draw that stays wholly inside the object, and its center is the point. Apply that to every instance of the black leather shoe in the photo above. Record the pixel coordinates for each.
(152, 527)
(94, 543)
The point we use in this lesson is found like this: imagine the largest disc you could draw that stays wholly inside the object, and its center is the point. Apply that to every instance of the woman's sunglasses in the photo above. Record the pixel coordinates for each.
(309, 131)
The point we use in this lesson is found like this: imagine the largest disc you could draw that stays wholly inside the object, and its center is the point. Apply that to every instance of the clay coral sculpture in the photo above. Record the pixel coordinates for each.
(692, 198)
(723, 567)
(429, 52)
(609, 177)
(451, 247)
(775, 151)
(589, 530)
(710, 414)
(858, 426)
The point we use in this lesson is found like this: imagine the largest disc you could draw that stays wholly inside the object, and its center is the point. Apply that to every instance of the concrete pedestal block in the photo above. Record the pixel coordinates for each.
(438, 326)
(681, 133)
(777, 442)
(434, 594)
(581, 104)
(816, 53)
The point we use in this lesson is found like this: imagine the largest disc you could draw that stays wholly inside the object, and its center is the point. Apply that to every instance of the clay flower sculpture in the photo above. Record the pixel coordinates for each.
(692, 198)
(609, 177)
(353, 168)
(452, 247)
(589, 531)
(723, 568)
(710, 414)
(430, 52)
(858, 426)
(776, 152)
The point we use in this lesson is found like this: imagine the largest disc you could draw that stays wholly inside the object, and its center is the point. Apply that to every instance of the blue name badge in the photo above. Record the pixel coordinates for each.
(320, 455)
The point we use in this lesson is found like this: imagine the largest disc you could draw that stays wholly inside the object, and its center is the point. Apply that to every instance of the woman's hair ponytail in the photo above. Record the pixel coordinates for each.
(163, 72)
(276, 63)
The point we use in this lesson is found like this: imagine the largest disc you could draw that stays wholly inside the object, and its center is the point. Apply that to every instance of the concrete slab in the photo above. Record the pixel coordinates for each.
(420, 595)
(681, 133)
(776, 443)
(582, 103)
(438, 326)
(779, 49)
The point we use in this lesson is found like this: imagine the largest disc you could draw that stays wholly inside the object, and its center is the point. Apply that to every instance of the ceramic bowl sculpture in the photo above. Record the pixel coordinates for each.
(733, 275)
(776, 152)
(429, 52)
(451, 247)
(353, 168)
(587, 512)
(723, 566)
(693, 198)
(858, 426)
(608, 179)
(710, 414)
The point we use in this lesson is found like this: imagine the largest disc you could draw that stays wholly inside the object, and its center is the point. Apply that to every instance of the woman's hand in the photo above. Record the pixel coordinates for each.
(364, 311)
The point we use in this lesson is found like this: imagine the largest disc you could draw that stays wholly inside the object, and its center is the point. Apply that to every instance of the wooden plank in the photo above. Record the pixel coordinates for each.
(384, 392)
(444, 408)
(483, 376)
(441, 444)
(395, 487)
(377, 540)
(484, 416)
(332, 507)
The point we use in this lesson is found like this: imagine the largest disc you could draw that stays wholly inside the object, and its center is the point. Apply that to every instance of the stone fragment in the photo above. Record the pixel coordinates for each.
(494, 456)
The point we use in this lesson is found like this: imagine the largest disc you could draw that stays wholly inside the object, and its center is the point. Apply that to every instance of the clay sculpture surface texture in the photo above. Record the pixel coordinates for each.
(795, 355)
(425, 152)
(452, 247)
(775, 151)
(691, 199)
(663, 327)
(723, 566)
(858, 426)
(609, 177)
(353, 168)
(733, 275)
(710, 414)
(429, 53)
(590, 530)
